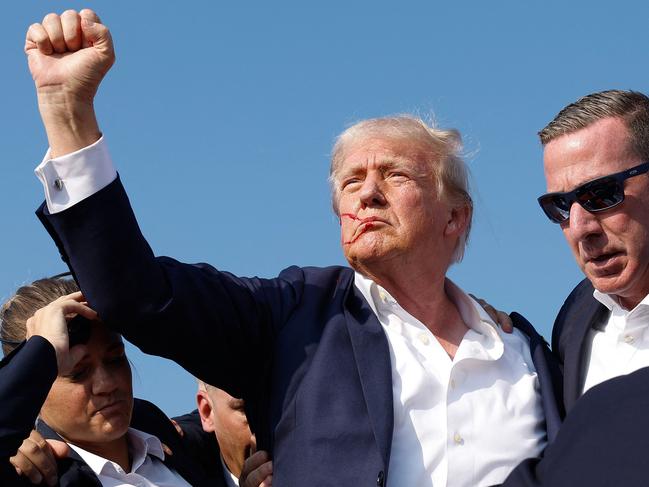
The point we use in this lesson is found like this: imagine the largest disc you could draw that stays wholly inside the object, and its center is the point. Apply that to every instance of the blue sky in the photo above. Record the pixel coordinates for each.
(220, 117)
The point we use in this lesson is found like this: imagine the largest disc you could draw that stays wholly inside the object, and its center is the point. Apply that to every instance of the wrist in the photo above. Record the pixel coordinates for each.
(70, 122)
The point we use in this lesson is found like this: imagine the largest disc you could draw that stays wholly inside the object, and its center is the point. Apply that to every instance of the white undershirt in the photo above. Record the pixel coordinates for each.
(147, 469)
(622, 346)
(462, 422)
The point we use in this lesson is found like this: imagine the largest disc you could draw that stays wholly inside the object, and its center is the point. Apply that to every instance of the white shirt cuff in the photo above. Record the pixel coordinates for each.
(71, 178)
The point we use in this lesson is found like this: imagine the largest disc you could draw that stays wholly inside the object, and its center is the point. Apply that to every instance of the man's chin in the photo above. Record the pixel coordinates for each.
(614, 283)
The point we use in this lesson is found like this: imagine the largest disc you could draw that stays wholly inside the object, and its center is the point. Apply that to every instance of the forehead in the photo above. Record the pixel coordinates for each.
(600, 149)
(360, 154)
(103, 339)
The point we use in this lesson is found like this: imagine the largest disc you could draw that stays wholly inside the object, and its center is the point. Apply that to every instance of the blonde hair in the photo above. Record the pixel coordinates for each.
(22, 306)
(441, 149)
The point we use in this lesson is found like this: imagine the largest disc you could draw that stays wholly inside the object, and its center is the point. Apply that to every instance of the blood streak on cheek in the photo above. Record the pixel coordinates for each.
(365, 226)
(348, 215)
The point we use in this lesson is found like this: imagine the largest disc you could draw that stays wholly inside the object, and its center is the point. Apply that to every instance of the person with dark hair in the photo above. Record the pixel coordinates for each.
(596, 161)
(79, 392)
(384, 371)
(596, 157)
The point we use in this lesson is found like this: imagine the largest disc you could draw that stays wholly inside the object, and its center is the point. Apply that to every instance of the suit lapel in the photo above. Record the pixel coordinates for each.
(372, 355)
(585, 315)
(549, 375)
(72, 470)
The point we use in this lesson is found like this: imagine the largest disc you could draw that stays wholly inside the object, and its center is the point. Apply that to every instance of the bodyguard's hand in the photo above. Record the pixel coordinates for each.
(499, 317)
(68, 56)
(36, 458)
(257, 471)
(51, 322)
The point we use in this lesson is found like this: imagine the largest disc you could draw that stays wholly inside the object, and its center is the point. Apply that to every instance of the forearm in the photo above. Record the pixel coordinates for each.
(26, 376)
(70, 123)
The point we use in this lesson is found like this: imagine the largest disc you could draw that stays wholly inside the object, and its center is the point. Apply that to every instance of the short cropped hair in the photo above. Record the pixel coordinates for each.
(22, 306)
(631, 106)
(442, 150)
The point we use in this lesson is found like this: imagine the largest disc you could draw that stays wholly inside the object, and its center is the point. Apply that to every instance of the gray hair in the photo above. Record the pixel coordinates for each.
(631, 106)
(442, 150)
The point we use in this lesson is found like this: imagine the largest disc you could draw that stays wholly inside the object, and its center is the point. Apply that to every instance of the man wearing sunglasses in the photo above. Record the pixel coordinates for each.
(596, 154)
(596, 158)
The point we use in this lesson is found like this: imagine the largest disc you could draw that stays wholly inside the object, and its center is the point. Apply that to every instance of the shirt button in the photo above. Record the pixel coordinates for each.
(629, 339)
(58, 184)
(383, 296)
(423, 338)
(458, 439)
(453, 384)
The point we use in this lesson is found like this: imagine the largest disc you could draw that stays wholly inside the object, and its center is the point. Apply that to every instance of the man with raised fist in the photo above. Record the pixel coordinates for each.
(384, 371)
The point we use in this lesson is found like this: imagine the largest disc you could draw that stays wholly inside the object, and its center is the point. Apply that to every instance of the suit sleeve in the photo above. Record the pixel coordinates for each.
(217, 326)
(26, 376)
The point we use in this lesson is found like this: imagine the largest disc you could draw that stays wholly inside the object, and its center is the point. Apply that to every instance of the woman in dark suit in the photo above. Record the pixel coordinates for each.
(72, 379)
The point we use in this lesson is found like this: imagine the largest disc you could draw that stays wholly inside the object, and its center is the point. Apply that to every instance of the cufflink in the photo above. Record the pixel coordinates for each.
(58, 184)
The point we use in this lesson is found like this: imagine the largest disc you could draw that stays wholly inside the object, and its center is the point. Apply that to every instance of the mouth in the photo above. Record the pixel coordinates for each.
(112, 408)
(364, 225)
(604, 259)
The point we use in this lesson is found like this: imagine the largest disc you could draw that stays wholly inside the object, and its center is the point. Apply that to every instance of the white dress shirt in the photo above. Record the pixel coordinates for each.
(622, 346)
(462, 422)
(147, 469)
(466, 421)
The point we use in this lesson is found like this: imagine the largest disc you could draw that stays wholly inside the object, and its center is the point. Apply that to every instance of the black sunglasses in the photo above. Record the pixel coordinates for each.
(597, 195)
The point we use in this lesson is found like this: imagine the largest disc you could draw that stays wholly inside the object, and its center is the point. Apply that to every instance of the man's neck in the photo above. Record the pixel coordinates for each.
(116, 451)
(421, 292)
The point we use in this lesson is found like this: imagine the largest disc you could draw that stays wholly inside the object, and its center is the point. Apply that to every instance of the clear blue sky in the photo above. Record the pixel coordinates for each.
(220, 117)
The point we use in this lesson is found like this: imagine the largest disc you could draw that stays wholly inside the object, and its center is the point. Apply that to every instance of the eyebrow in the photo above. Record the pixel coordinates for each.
(383, 163)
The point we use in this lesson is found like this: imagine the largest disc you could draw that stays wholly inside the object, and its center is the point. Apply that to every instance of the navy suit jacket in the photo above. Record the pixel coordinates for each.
(304, 350)
(603, 441)
(26, 376)
(580, 313)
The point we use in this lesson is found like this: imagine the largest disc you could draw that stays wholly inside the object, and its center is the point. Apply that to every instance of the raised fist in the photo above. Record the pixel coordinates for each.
(68, 55)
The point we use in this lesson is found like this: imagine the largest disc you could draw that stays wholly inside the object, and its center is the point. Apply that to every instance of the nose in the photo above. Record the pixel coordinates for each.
(103, 381)
(371, 194)
(582, 223)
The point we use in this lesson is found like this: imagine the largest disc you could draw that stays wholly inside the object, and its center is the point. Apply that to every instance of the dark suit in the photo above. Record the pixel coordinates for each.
(304, 350)
(580, 313)
(26, 376)
(603, 441)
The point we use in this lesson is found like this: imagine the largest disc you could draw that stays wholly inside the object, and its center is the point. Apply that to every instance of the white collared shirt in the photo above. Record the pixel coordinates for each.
(466, 421)
(622, 346)
(147, 469)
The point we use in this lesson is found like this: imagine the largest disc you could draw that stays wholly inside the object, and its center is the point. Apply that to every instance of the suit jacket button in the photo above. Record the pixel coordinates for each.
(380, 479)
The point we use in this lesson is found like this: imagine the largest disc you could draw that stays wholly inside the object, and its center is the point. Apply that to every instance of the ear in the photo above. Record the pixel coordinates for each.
(205, 411)
(458, 219)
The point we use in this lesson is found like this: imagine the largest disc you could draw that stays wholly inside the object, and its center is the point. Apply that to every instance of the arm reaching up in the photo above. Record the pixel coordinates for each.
(68, 56)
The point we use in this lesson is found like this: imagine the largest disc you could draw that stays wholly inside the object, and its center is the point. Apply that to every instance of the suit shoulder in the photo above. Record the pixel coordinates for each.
(321, 276)
(151, 419)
